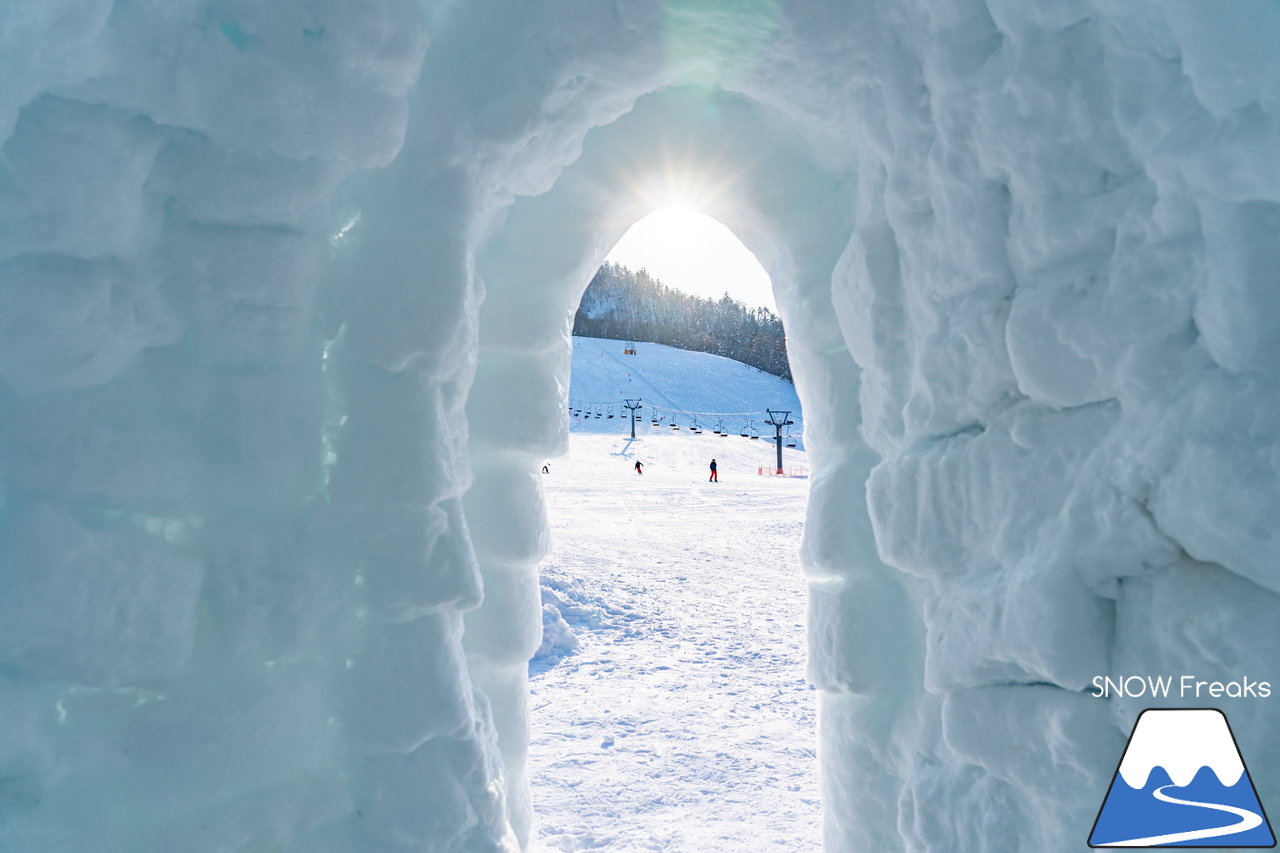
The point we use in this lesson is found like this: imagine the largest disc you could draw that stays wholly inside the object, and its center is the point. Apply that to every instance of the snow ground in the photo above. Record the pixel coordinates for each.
(683, 722)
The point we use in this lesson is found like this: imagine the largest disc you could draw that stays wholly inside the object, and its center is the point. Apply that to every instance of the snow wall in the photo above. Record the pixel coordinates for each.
(274, 278)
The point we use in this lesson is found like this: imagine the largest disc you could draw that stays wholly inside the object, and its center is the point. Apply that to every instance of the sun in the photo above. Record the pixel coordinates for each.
(692, 252)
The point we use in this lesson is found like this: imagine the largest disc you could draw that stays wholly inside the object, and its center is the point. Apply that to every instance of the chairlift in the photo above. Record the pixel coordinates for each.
(611, 412)
(755, 433)
(745, 427)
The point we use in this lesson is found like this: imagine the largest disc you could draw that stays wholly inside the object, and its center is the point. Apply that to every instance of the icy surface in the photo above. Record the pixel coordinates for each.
(274, 276)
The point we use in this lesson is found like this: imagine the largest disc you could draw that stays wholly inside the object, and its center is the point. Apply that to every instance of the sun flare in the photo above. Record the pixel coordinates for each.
(692, 252)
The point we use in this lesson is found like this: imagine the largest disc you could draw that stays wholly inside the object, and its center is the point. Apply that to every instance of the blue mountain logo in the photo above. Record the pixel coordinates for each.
(1182, 783)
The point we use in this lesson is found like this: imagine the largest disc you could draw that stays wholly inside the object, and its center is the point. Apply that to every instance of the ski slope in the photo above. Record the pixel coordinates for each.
(673, 379)
(670, 710)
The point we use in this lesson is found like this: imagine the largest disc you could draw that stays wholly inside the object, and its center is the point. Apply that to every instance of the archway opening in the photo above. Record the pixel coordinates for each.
(691, 252)
(668, 698)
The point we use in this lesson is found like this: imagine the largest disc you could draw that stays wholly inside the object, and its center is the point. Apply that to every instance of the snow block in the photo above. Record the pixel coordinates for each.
(507, 514)
(338, 79)
(260, 434)
(407, 684)
(67, 323)
(1038, 623)
(401, 444)
(207, 185)
(72, 181)
(420, 310)
(205, 740)
(438, 796)
(863, 636)
(838, 538)
(48, 45)
(101, 608)
(1238, 306)
(1049, 746)
(413, 561)
(132, 442)
(273, 591)
(1217, 480)
(248, 293)
(271, 816)
(514, 406)
(869, 785)
(507, 627)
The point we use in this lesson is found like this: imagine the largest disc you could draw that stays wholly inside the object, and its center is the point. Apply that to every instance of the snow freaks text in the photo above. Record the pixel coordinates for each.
(1177, 687)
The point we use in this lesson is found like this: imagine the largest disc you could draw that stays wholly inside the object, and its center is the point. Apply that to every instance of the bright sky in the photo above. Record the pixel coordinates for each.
(690, 251)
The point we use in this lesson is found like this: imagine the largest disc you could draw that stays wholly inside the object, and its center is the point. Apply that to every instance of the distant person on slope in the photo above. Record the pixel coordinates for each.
(638, 468)
(715, 477)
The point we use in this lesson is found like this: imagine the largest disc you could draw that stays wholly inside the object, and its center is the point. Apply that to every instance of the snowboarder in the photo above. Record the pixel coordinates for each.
(715, 478)
(638, 467)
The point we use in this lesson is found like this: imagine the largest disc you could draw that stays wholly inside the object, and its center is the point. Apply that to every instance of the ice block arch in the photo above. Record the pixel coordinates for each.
(746, 171)
(257, 592)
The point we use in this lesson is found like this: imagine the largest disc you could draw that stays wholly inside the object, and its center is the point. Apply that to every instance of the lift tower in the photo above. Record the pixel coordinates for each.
(778, 419)
(633, 408)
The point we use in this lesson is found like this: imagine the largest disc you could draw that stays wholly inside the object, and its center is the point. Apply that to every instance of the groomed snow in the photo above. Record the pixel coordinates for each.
(675, 381)
(683, 720)
(669, 704)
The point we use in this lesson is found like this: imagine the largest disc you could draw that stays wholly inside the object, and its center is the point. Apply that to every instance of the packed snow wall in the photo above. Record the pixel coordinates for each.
(268, 536)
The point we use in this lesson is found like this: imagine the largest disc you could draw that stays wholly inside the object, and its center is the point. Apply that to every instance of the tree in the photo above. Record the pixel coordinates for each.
(621, 304)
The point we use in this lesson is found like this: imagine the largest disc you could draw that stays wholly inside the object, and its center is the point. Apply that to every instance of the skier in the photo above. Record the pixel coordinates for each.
(715, 478)
(638, 467)
(546, 469)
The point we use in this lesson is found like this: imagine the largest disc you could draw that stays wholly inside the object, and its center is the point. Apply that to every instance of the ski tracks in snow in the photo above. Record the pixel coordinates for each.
(683, 722)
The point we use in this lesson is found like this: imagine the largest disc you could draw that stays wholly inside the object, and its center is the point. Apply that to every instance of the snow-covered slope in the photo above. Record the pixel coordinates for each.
(675, 382)
(670, 709)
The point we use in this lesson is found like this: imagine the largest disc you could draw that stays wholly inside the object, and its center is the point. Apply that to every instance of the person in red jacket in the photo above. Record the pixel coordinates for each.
(715, 477)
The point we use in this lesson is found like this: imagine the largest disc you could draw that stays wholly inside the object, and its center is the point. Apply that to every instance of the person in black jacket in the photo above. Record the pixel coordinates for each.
(715, 478)
(638, 467)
